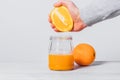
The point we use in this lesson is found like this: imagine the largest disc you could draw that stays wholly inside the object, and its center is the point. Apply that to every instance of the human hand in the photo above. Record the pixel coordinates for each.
(78, 24)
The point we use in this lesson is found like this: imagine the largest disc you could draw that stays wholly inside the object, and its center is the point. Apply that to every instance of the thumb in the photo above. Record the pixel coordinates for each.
(57, 4)
(62, 3)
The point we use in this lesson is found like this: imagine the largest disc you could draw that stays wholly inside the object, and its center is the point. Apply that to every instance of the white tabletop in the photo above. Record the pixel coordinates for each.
(99, 70)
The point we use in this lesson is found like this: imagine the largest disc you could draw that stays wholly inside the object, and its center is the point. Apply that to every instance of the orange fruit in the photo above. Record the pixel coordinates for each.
(61, 19)
(84, 54)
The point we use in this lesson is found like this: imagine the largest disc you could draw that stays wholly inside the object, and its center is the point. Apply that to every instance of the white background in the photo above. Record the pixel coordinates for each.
(25, 32)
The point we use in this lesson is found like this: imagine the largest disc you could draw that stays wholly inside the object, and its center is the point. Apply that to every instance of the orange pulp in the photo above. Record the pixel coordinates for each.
(61, 61)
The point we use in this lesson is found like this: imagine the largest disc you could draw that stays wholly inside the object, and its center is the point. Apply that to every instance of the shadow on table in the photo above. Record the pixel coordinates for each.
(96, 63)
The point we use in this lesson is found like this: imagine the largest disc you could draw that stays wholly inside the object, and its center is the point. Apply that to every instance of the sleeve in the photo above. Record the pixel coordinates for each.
(99, 10)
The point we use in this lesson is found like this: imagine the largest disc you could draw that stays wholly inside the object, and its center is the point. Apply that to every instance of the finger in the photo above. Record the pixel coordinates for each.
(62, 3)
(49, 18)
(56, 30)
(65, 3)
(52, 26)
(79, 28)
(57, 4)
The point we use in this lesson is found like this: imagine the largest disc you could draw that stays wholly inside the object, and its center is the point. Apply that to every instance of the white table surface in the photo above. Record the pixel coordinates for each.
(99, 70)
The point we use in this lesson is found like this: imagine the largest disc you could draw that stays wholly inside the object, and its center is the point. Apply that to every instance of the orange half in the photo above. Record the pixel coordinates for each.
(61, 19)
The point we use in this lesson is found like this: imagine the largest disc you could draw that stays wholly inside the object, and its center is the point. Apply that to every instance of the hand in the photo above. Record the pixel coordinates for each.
(74, 11)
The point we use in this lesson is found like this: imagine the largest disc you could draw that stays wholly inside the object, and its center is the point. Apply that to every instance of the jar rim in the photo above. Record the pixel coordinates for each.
(63, 37)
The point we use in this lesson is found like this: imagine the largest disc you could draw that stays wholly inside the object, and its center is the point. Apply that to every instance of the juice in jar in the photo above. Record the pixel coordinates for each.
(60, 57)
(61, 61)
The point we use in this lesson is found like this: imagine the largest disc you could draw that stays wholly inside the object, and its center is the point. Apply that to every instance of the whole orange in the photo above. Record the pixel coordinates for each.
(84, 54)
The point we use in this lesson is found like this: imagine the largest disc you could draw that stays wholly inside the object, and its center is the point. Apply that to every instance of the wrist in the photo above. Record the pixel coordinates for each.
(79, 25)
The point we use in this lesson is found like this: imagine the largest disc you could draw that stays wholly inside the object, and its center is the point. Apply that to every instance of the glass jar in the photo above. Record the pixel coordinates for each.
(60, 56)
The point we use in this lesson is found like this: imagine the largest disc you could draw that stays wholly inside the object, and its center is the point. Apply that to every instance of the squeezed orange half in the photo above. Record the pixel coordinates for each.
(61, 19)
(61, 61)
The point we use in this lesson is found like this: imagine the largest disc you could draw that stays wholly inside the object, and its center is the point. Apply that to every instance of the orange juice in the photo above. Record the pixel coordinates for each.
(61, 61)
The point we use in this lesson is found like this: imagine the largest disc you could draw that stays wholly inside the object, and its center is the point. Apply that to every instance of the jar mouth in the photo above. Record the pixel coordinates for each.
(63, 37)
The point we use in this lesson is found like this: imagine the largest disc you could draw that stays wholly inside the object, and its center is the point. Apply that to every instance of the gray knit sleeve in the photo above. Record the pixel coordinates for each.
(99, 10)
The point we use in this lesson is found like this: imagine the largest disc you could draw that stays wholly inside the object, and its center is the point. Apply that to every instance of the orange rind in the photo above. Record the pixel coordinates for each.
(84, 54)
